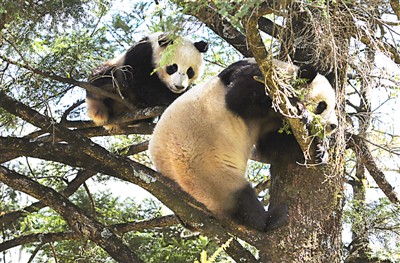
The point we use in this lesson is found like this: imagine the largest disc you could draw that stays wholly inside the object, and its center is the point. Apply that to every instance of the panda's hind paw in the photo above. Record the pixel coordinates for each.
(276, 217)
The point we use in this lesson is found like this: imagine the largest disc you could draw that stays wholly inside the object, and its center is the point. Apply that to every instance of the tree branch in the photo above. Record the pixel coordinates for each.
(395, 4)
(360, 147)
(120, 229)
(134, 149)
(164, 189)
(80, 178)
(75, 217)
(269, 27)
(94, 157)
(141, 128)
(373, 42)
(85, 85)
(208, 14)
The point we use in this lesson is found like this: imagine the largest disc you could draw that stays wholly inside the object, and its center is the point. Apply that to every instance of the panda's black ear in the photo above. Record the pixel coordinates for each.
(331, 78)
(201, 46)
(307, 72)
(164, 40)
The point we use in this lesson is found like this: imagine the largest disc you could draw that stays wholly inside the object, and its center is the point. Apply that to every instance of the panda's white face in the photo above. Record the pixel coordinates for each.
(185, 64)
(320, 98)
(321, 101)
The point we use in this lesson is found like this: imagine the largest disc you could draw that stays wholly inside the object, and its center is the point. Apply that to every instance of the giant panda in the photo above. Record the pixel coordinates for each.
(142, 77)
(205, 138)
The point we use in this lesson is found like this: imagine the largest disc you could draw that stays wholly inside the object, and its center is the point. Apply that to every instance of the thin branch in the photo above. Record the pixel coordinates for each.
(374, 43)
(134, 149)
(75, 217)
(208, 14)
(91, 199)
(85, 85)
(70, 109)
(81, 177)
(34, 253)
(360, 147)
(54, 252)
(120, 229)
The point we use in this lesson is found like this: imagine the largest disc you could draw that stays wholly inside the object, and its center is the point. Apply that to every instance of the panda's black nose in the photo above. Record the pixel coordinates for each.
(179, 87)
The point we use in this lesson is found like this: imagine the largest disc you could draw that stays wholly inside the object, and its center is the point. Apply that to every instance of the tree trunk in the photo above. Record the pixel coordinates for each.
(314, 198)
(313, 193)
(359, 249)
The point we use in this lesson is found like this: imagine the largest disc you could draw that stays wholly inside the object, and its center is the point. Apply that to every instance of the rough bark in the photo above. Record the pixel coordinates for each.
(314, 198)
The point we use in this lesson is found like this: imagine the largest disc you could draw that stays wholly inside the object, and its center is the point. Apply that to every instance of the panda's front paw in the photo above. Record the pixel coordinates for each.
(322, 155)
(276, 217)
(306, 117)
(303, 113)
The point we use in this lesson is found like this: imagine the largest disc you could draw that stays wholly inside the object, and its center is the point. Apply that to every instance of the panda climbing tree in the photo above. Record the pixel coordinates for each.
(282, 107)
(206, 152)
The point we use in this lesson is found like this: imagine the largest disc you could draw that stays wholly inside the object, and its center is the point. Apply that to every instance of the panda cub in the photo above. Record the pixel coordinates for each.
(139, 77)
(205, 138)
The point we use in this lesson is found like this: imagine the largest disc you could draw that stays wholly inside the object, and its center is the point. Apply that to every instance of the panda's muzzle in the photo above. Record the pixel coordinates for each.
(177, 89)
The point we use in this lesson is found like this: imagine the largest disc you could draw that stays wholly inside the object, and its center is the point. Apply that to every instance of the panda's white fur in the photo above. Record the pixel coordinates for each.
(139, 77)
(204, 140)
(187, 146)
(320, 90)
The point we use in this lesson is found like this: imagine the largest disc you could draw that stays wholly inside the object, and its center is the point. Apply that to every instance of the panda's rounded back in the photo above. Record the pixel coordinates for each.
(198, 126)
(203, 146)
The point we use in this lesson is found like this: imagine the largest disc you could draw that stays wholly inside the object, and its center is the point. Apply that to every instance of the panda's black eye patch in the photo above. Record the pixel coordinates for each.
(321, 107)
(190, 72)
(171, 69)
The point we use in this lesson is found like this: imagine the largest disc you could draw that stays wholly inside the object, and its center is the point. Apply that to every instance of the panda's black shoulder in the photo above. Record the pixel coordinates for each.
(239, 71)
(245, 96)
(140, 56)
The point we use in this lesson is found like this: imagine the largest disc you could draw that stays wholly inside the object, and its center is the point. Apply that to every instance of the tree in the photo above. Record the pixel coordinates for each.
(46, 58)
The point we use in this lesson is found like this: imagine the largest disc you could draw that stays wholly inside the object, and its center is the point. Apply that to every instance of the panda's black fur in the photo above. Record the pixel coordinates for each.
(205, 138)
(138, 77)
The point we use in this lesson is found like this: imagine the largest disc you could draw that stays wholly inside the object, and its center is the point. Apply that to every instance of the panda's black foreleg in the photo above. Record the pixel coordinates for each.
(250, 212)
